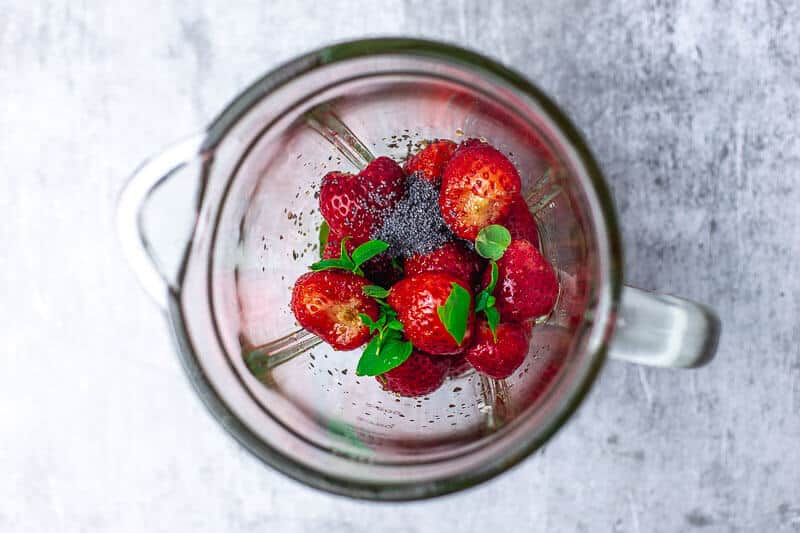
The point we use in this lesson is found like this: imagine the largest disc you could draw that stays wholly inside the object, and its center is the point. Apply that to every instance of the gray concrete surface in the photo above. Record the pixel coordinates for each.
(693, 109)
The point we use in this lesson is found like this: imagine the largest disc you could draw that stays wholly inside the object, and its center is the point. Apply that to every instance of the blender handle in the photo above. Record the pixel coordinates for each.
(132, 200)
(664, 331)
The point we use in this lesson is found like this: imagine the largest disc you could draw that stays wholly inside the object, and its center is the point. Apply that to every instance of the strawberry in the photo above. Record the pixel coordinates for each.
(431, 160)
(499, 359)
(420, 374)
(327, 303)
(379, 269)
(355, 205)
(527, 286)
(417, 299)
(521, 224)
(478, 187)
(458, 365)
(453, 258)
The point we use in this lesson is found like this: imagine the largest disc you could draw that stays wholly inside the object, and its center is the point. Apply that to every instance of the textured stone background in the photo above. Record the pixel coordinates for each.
(693, 108)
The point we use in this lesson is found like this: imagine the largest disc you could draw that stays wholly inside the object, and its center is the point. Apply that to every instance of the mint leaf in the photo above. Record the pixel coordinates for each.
(324, 232)
(375, 291)
(376, 361)
(388, 348)
(369, 358)
(367, 321)
(327, 264)
(367, 251)
(481, 301)
(485, 298)
(343, 257)
(455, 312)
(492, 241)
(395, 352)
(363, 253)
(493, 319)
(485, 301)
(395, 325)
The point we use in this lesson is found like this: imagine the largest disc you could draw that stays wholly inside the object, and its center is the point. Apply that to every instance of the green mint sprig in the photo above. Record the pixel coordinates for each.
(486, 301)
(491, 243)
(454, 314)
(387, 349)
(353, 262)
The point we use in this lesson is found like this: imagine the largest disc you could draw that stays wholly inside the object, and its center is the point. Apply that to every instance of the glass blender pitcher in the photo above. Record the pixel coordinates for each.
(247, 187)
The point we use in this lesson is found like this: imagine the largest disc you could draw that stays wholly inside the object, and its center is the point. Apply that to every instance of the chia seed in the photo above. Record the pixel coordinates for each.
(415, 225)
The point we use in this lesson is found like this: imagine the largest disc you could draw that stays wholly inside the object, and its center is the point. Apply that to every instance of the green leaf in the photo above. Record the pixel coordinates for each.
(385, 307)
(493, 318)
(369, 358)
(455, 312)
(343, 261)
(367, 321)
(324, 232)
(327, 264)
(395, 352)
(375, 291)
(396, 265)
(492, 241)
(391, 355)
(485, 298)
(367, 251)
(481, 301)
(343, 249)
(395, 325)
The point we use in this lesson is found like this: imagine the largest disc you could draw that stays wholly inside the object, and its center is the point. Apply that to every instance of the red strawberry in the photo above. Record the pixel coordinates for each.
(478, 187)
(453, 258)
(521, 224)
(527, 286)
(499, 359)
(416, 299)
(327, 303)
(379, 269)
(355, 205)
(431, 160)
(458, 365)
(420, 374)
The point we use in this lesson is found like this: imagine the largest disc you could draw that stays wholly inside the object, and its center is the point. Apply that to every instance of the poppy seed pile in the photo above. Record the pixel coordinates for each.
(415, 225)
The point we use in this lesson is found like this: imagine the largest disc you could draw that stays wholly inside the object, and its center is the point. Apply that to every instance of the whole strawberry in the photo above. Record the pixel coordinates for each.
(433, 321)
(453, 258)
(420, 374)
(431, 160)
(498, 359)
(355, 205)
(527, 286)
(521, 224)
(328, 304)
(478, 187)
(380, 269)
